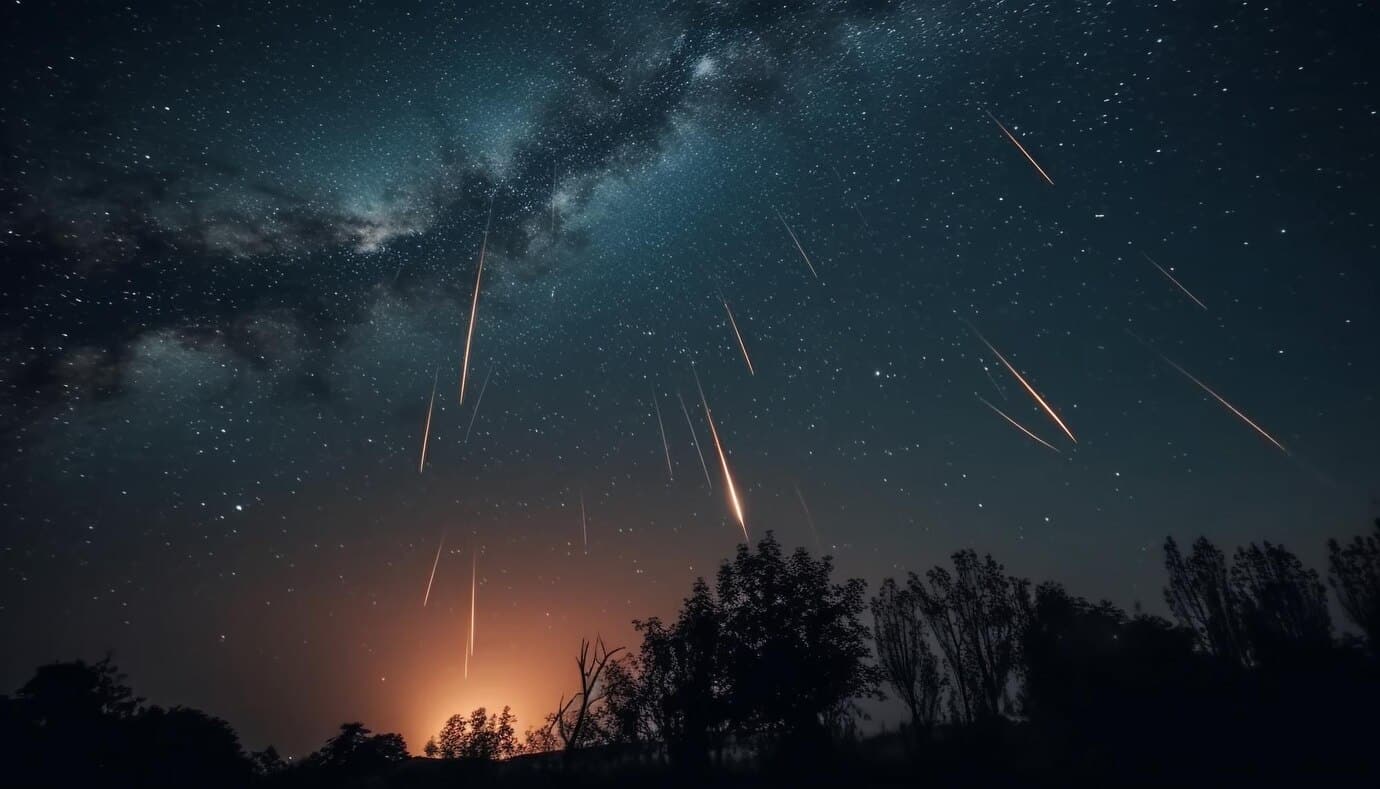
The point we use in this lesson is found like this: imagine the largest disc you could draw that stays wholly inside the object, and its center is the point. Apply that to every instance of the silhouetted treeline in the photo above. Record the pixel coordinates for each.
(759, 676)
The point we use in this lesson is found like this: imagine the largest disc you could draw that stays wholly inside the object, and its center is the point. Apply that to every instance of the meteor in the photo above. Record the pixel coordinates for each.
(1028, 387)
(1177, 284)
(426, 432)
(662, 427)
(584, 522)
(738, 334)
(723, 462)
(1016, 424)
(469, 647)
(808, 517)
(797, 243)
(1228, 406)
(478, 402)
(434, 564)
(696, 439)
(1021, 148)
(474, 303)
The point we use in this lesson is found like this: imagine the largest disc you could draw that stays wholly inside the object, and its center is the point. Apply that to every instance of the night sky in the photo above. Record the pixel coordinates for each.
(240, 242)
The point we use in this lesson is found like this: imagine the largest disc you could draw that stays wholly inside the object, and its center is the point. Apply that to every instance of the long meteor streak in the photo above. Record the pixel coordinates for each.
(434, 564)
(741, 345)
(474, 303)
(661, 426)
(723, 462)
(1021, 148)
(1228, 406)
(810, 519)
(469, 647)
(1171, 278)
(797, 244)
(694, 437)
(478, 402)
(584, 521)
(1016, 424)
(1026, 384)
(426, 432)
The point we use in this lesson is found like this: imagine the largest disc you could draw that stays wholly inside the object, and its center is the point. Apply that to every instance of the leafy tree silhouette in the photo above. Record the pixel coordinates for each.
(1354, 573)
(907, 661)
(1201, 597)
(1283, 605)
(975, 615)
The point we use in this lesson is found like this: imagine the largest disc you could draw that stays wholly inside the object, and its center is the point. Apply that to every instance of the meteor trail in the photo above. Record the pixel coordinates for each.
(426, 432)
(797, 243)
(469, 647)
(584, 522)
(434, 564)
(1021, 148)
(662, 427)
(474, 303)
(1220, 399)
(741, 346)
(478, 402)
(723, 462)
(1017, 425)
(810, 519)
(1028, 387)
(1177, 284)
(696, 439)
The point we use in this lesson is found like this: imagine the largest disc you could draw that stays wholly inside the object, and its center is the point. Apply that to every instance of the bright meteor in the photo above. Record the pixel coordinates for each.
(1028, 387)
(426, 432)
(1021, 148)
(723, 462)
(474, 303)
(1229, 406)
(434, 564)
(1016, 424)
(741, 345)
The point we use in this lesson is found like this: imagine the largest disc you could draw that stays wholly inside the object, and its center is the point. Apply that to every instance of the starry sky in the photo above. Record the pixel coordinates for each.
(240, 243)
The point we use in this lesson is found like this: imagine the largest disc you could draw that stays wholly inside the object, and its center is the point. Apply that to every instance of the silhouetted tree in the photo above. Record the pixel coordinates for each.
(451, 741)
(1354, 572)
(1283, 605)
(794, 652)
(975, 615)
(1201, 598)
(431, 750)
(907, 662)
(575, 719)
(357, 750)
(482, 736)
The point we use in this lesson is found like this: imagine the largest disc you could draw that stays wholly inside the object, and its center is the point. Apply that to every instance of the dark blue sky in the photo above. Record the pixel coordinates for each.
(240, 240)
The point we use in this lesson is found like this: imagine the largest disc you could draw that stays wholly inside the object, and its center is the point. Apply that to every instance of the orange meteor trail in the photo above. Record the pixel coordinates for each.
(662, 427)
(797, 244)
(1177, 284)
(1021, 148)
(723, 462)
(426, 432)
(696, 439)
(1028, 387)
(1017, 425)
(434, 565)
(469, 648)
(1228, 406)
(474, 303)
(741, 345)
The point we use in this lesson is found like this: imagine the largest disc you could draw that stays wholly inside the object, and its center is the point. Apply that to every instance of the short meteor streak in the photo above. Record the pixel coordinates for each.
(478, 402)
(661, 426)
(1221, 400)
(469, 647)
(810, 519)
(1026, 384)
(584, 522)
(434, 564)
(426, 432)
(1177, 284)
(474, 303)
(797, 244)
(694, 437)
(723, 462)
(741, 345)
(1016, 424)
(1021, 148)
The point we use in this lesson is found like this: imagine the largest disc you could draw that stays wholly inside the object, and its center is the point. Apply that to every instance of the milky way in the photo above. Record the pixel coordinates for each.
(240, 243)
